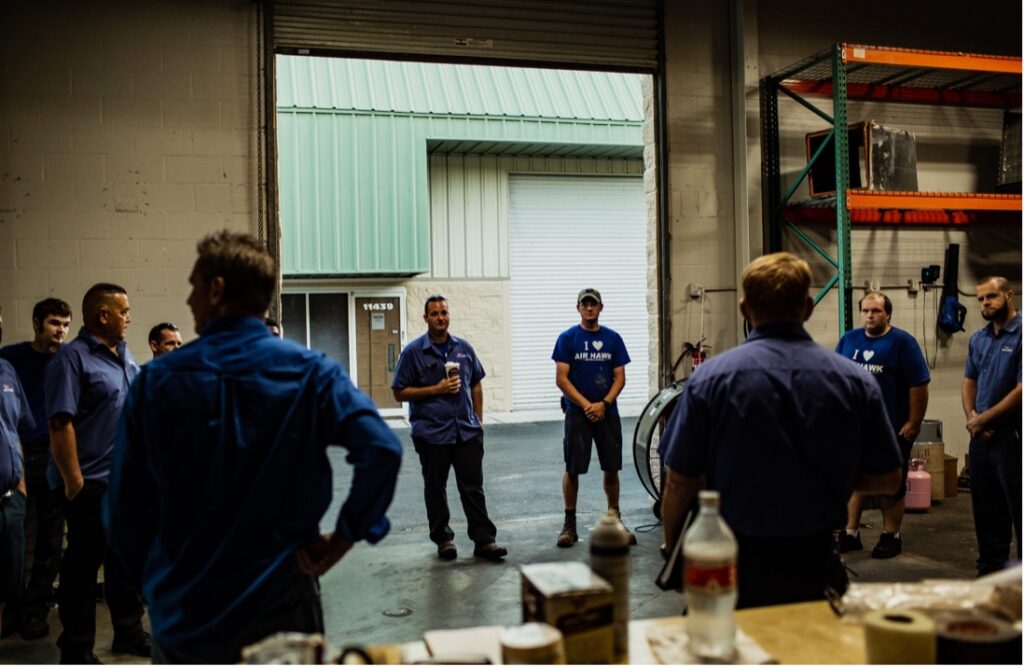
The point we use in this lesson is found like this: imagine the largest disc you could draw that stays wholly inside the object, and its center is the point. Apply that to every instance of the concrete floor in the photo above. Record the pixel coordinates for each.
(523, 471)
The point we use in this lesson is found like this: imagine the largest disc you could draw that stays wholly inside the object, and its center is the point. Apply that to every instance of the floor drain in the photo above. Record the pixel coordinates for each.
(398, 612)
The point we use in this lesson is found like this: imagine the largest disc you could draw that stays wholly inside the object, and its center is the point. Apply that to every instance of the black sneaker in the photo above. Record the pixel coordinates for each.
(139, 643)
(568, 535)
(889, 545)
(446, 550)
(849, 542)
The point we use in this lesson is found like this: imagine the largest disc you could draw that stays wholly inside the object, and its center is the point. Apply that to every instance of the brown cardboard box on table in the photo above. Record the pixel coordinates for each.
(577, 602)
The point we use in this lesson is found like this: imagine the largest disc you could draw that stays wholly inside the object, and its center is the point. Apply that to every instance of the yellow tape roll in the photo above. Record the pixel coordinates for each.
(899, 637)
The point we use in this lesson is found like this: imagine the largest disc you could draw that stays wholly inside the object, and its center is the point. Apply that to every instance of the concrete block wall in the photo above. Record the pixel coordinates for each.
(127, 132)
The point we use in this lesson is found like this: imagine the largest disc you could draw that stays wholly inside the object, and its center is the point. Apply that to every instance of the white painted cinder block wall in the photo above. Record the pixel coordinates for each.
(126, 134)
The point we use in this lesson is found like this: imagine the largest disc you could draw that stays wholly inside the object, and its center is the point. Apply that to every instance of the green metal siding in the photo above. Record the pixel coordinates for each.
(354, 184)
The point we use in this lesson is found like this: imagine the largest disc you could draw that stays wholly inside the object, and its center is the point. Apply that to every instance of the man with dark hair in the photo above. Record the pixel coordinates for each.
(440, 376)
(85, 388)
(785, 430)
(164, 338)
(44, 525)
(590, 371)
(217, 515)
(895, 360)
(991, 394)
(15, 416)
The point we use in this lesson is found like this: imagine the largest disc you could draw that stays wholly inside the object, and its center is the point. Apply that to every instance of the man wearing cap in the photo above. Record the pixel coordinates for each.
(590, 371)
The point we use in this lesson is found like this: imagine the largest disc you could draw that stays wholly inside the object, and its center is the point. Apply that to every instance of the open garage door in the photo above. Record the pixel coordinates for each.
(567, 233)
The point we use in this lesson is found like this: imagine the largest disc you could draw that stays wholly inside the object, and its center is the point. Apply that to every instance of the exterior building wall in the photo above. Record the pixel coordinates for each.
(126, 133)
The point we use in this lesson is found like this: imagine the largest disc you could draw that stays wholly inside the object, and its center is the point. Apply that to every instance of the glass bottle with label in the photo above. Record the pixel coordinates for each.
(709, 551)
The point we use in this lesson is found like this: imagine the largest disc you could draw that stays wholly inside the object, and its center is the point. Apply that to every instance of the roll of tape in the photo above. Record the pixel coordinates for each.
(899, 637)
(532, 643)
(977, 641)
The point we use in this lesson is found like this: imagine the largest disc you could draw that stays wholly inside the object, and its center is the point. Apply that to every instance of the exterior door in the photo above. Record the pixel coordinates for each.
(378, 344)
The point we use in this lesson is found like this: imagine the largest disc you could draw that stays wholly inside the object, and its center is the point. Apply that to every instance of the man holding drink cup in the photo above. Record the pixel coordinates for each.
(439, 376)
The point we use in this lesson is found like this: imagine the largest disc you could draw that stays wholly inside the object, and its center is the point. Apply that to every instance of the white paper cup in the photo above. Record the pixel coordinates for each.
(451, 369)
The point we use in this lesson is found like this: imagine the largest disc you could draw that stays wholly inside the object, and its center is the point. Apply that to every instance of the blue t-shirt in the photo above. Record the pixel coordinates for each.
(15, 416)
(592, 357)
(87, 382)
(221, 471)
(782, 427)
(995, 363)
(895, 361)
(31, 367)
(446, 418)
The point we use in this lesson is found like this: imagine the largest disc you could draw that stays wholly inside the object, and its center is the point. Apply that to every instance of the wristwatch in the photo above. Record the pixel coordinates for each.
(606, 403)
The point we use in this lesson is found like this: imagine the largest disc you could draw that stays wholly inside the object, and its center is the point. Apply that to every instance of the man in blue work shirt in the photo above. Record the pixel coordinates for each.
(84, 391)
(446, 412)
(51, 321)
(221, 471)
(15, 416)
(590, 371)
(894, 359)
(785, 430)
(991, 397)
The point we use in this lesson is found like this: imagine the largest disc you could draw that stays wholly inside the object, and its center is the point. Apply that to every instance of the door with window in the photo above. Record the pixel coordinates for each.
(378, 344)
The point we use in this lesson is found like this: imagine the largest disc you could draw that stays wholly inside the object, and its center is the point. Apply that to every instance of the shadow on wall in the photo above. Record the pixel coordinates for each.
(992, 250)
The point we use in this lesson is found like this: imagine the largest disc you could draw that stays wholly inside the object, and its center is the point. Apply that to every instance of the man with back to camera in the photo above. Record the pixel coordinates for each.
(164, 338)
(221, 472)
(894, 359)
(15, 416)
(51, 321)
(785, 430)
(446, 413)
(590, 371)
(85, 388)
(991, 393)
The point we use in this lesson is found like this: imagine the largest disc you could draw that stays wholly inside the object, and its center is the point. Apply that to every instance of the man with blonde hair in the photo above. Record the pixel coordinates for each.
(785, 430)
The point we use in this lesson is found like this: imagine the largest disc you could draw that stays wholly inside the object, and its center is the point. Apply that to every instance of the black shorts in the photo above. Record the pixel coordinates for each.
(905, 449)
(581, 431)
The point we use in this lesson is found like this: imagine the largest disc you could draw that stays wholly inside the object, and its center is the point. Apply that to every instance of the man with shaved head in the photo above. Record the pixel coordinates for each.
(84, 389)
(991, 397)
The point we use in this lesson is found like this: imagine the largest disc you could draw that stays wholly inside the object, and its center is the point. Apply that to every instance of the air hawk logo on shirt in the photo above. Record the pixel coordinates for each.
(8, 388)
(873, 368)
(868, 354)
(587, 355)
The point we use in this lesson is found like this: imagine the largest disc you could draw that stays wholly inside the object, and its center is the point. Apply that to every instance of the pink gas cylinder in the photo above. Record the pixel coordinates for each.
(919, 487)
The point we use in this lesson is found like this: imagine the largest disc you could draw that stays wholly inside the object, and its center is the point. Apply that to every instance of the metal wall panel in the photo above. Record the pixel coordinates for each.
(591, 33)
(354, 190)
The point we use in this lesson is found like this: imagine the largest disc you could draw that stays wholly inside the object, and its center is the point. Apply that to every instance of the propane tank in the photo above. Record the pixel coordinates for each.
(919, 487)
(609, 558)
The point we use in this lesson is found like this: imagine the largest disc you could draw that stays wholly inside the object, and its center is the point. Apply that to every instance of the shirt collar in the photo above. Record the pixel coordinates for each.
(427, 344)
(243, 324)
(1012, 326)
(95, 343)
(779, 329)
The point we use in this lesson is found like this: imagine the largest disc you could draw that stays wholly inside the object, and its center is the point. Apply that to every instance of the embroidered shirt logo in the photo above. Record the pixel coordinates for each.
(8, 388)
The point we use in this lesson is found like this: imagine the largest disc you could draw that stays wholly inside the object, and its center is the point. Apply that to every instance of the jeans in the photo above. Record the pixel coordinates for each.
(12, 548)
(44, 531)
(87, 550)
(467, 460)
(996, 496)
(299, 610)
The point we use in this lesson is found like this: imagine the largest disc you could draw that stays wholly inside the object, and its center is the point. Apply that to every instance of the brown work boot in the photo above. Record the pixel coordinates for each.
(567, 536)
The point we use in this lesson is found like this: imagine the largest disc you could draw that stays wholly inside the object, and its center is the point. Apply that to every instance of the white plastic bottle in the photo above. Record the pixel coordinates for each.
(709, 551)
(609, 558)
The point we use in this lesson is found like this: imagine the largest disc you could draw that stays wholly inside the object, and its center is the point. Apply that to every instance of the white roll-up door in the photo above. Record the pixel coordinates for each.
(567, 233)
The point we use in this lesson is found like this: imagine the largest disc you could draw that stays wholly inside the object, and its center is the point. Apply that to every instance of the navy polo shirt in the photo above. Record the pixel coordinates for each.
(446, 418)
(15, 416)
(87, 382)
(781, 427)
(994, 362)
(31, 367)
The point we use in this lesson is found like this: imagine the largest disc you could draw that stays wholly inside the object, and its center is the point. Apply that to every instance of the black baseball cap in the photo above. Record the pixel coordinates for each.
(592, 294)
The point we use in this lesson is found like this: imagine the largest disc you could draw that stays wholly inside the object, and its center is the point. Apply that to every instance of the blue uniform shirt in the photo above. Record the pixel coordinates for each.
(995, 363)
(31, 366)
(896, 362)
(87, 382)
(782, 427)
(592, 356)
(447, 418)
(15, 416)
(221, 472)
